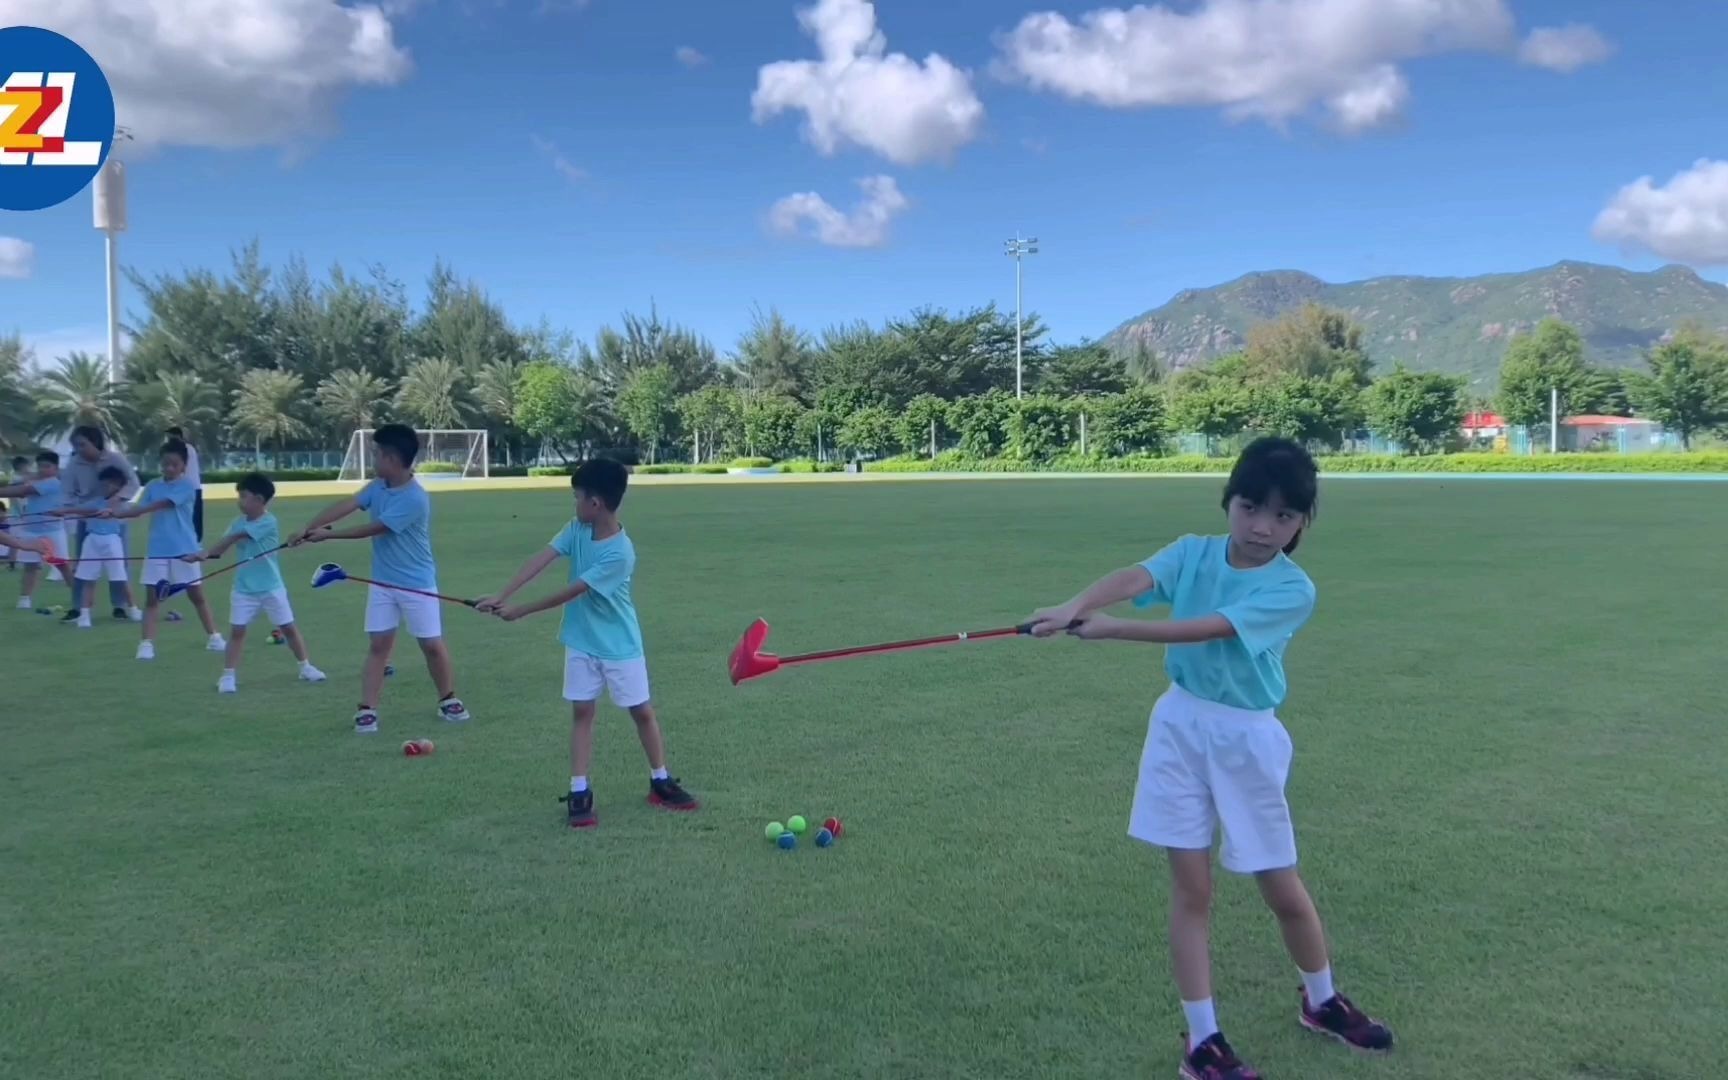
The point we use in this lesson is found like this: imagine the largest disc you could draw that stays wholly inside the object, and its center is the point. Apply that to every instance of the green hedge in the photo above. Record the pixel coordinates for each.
(1698, 462)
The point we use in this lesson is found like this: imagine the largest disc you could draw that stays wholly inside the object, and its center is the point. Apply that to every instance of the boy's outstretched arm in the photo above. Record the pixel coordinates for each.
(216, 550)
(332, 513)
(531, 569)
(358, 532)
(138, 510)
(1111, 589)
(25, 543)
(1170, 632)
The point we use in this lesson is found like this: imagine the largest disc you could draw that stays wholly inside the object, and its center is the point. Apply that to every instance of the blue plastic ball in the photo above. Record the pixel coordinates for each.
(824, 838)
(787, 841)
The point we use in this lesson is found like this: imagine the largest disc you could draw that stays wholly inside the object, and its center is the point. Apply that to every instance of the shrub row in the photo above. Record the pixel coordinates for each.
(1698, 462)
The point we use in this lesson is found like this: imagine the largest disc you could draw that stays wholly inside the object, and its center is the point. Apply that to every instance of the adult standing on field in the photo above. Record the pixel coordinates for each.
(196, 475)
(90, 455)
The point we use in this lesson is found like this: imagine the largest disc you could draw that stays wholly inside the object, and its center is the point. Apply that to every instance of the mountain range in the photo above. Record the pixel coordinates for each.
(1455, 325)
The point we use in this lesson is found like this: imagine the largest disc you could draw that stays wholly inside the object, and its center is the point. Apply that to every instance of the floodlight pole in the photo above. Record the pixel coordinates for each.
(1018, 249)
(110, 219)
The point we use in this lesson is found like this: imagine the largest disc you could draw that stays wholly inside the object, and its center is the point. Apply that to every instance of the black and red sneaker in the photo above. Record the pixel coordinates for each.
(1340, 1019)
(667, 795)
(581, 809)
(1214, 1060)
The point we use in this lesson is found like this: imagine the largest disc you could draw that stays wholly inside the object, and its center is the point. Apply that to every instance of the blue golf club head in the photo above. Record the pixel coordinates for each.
(328, 574)
(165, 591)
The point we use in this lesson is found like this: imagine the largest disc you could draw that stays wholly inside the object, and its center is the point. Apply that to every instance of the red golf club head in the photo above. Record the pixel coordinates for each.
(748, 659)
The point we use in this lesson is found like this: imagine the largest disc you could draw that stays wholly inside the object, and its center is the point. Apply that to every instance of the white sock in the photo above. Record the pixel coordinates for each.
(1319, 987)
(306, 663)
(658, 774)
(1202, 1021)
(227, 673)
(578, 784)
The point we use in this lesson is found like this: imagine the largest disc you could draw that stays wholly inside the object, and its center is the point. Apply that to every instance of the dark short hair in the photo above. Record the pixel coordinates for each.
(91, 432)
(111, 474)
(176, 432)
(603, 479)
(175, 447)
(1277, 465)
(20, 460)
(400, 440)
(47, 457)
(258, 484)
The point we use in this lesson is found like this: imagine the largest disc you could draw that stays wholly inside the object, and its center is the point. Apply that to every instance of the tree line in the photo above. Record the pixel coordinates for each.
(279, 359)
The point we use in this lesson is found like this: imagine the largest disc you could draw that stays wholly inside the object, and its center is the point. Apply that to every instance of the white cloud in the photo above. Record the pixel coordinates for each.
(1564, 48)
(690, 57)
(859, 93)
(1268, 60)
(227, 73)
(1685, 220)
(17, 258)
(562, 165)
(864, 226)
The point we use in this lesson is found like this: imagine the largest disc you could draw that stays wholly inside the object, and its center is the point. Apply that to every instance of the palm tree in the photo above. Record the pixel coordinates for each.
(172, 398)
(78, 393)
(266, 407)
(351, 399)
(17, 395)
(434, 394)
(495, 389)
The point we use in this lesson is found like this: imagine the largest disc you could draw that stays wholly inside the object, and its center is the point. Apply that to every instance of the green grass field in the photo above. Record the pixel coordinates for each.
(1508, 790)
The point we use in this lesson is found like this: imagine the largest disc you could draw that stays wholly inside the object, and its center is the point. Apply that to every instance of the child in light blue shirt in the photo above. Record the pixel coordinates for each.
(172, 538)
(601, 636)
(258, 584)
(43, 498)
(400, 531)
(1216, 752)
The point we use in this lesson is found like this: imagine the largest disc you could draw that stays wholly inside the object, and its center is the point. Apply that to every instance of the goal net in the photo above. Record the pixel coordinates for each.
(444, 453)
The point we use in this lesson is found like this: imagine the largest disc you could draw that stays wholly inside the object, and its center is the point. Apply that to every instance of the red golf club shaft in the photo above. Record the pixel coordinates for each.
(403, 588)
(903, 646)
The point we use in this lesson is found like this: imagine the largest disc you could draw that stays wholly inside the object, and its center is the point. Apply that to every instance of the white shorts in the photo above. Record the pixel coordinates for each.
(1206, 765)
(625, 681)
(244, 607)
(172, 571)
(101, 556)
(386, 609)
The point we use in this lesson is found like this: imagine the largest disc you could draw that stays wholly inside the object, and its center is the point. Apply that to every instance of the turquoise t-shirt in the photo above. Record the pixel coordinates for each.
(99, 526)
(602, 621)
(402, 556)
(1266, 605)
(171, 532)
(45, 496)
(262, 577)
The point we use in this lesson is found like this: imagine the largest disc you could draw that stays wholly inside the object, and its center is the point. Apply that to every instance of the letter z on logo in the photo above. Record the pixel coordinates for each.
(34, 106)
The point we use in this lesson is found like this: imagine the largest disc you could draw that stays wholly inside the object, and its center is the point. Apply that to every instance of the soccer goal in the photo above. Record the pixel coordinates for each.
(444, 453)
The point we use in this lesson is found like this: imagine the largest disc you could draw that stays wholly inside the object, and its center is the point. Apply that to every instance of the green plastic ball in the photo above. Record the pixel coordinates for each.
(797, 824)
(773, 830)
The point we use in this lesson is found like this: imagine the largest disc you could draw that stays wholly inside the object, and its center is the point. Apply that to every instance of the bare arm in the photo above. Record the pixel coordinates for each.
(1171, 632)
(25, 543)
(358, 532)
(332, 513)
(136, 511)
(1109, 590)
(531, 569)
(558, 599)
(16, 491)
(218, 549)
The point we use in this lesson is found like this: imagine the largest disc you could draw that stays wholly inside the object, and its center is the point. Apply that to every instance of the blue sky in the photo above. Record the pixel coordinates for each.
(570, 158)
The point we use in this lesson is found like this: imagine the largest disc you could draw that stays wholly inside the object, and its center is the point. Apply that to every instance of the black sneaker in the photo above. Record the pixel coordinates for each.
(581, 809)
(121, 615)
(667, 795)
(1214, 1060)
(70, 616)
(1340, 1019)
